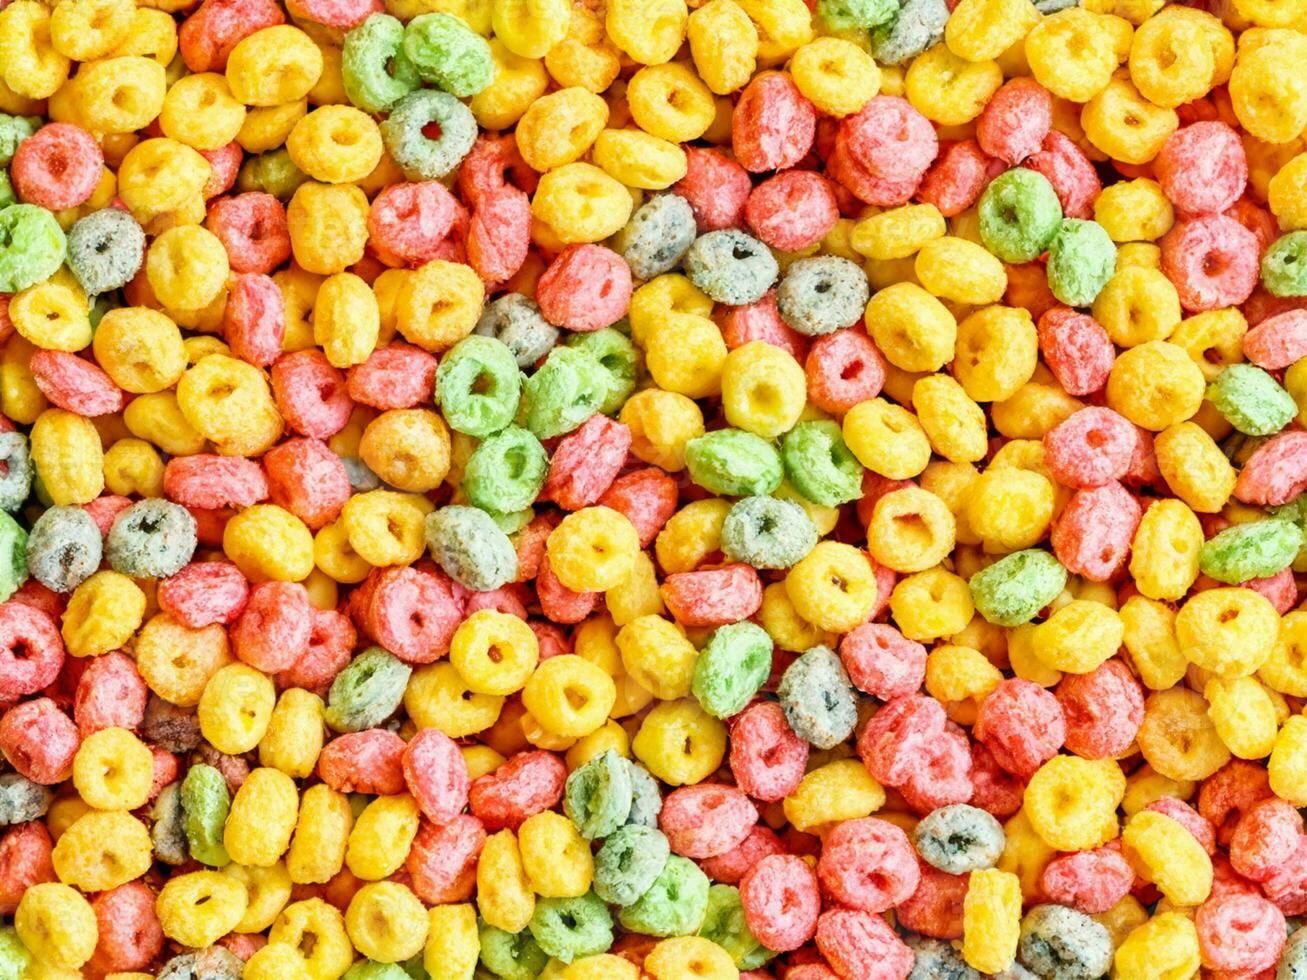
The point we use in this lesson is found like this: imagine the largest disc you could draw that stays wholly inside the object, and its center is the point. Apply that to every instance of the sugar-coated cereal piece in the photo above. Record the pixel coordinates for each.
(918, 26)
(1014, 589)
(959, 838)
(1077, 349)
(818, 699)
(1202, 167)
(773, 205)
(730, 267)
(767, 532)
(849, 938)
(151, 539)
(707, 820)
(1019, 215)
(781, 901)
(1059, 941)
(1089, 881)
(1212, 260)
(63, 548)
(1022, 724)
(1103, 710)
(817, 296)
(674, 905)
(1015, 121)
(772, 125)
(105, 250)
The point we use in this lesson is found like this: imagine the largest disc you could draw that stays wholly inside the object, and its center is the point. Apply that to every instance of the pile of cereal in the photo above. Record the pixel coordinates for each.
(653, 490)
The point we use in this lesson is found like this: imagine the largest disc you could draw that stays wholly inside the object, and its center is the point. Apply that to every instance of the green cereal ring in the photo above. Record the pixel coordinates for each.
(206, 800)
(646, 799)
(567, 389)
(1247, 551)
(674, 905)
(13, 130)
(468, 544)
(628, 863)
(168, 827)
(855, 15)
(505, 473)
(449, 54)
(273, 173)
(1297, 513)
(598, 795)
(619, 359)
(15, 960)
(1015, 588)
(1284, 266)
(13, 556)
(424, 157)
(918, 27)
(820, 465)
(569, 928)
(367, 691)
(1019, 215)
(768, 532)
(725, 925)
(733, 463)
(31, 246)
(733, 666)
(478, 386)
(1081, 258)
(511, 956)
(375, 66)
(369, 970)
(1251, 400)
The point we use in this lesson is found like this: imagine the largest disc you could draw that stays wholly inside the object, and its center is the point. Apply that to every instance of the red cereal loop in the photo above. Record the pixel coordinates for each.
(252, 228)
(57, 167)
(646, 497)
(889, 138)
(39, 741)
(443, 859)
(957, 178)
(110, 694)
(843, 369)
(781, 901)
(130, 935)
(1089, 881)
(861, 944)
(707, 819)
(1211, 261)
(586, 462)
(1278, 341)
(530, 542)
(729, 867)
(897, 736)
(1091, 448)
(935, 907)
(867, 187)
(1067, 168)
(1077, 350)
(1015, 121)
(254, 319)
(272, 631)
(331, 645)
(510, 599)
(792, 211)
(204, 593)
(943, 775)
(762, 321)
(558, 602)
(713, 597)
(76, 384)
(883, 662)
(411, 612)
(209, 481)
(24, 861)
(31, 650)
(1266, 838)
(527, 784)
(585, 288)
(1022, 725)
(1092, 535)
(207, 36)
(311, 394)
(364, 762)
(715, 186)
(1276, 472)
(1287, 887)
(394, 376)
(993, 788)
(868, 864)
(767, 759)
(1243, 933)
(1103, 710)
(436, 775)
(1202, 168)
(410, 222)
(307, 479)
(773, 125)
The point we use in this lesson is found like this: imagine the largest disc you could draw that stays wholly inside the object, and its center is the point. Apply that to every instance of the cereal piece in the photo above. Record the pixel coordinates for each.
(105, 250)
(958, 839)
(1248, 551)
(820, 465)
(423, 157)
(151, 539)
(1060, 942)
(1014, 589)
(918, 26)
(818, 699)
(730, 267)
(767, 532)
(656, 238)
(817, 296)
(1251, 400)
(515, 321)
(1022, 725)
(674, 905)
(1081, 259)
(849, 938)
(1019, 215)
(471, 548)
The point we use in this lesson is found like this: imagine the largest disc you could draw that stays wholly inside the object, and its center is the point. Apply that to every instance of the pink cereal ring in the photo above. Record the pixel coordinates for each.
(792, 211)
(1069, 171)
(1090, 448)
(730, 867)
(1093, 534)
(413, 613)
(339, 14)
(411, 221)
(224, 168)
(1015, 121)
(1276, 473)
(443, 859)
(395, 376)
(867, 187)
(307, 479)
(209, 481)
(39, 741)
(713, 597)
(587, 287)
(956, 179)
(254, 319)
(130, 935)
(436, 775)
(1212, 262)
(57, 167)
(364, 762)
(861, 945)
(942, 775)
(1077, 350)
(204, 593)
(1103, 710)
(1022, 725)
(558, 602)
(1202, 167)
(1240, 933)
(890, 138)
(110, 694)
(31, 651)
(767, 759)
(896, 736)
(868, 864)
(762, 321)
(76, 384)
(706, 819)
(1089, 881)
(24, 861)
(332, 638)
(272, 631)
(883, 662)
(311, 394)
(843, 369)
(586, 462)
(716, 187)
(1277, 341)
(207, 36)
(773, 125)
(781, 901)
(647, 497)
(252, 228)
(527, 784)
(1265, 839)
